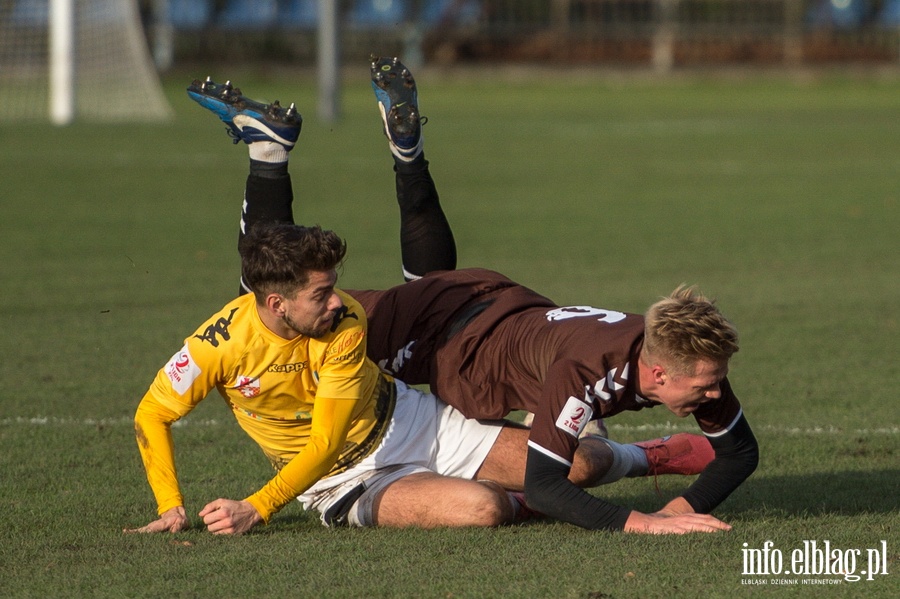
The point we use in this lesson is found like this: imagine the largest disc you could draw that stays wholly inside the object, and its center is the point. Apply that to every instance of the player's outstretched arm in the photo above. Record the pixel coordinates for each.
(172, 520)
(229, 517)
(548, 491)
(662, 524)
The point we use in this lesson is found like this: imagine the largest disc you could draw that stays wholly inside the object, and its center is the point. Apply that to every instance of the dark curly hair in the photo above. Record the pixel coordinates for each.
(278, 257)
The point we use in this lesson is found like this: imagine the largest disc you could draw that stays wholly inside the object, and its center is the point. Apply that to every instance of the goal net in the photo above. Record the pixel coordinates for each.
(64, 60)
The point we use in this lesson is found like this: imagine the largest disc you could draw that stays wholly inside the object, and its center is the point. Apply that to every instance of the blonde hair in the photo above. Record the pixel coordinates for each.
(685, 327)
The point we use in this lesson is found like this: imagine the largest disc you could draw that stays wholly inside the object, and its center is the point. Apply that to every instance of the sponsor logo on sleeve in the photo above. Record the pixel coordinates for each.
(353, 357)
(574, 416)
(345, 343)
(347, 350)
(182, 370)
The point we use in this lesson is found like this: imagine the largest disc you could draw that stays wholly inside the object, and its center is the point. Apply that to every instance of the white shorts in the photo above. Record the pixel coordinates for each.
(424, 435)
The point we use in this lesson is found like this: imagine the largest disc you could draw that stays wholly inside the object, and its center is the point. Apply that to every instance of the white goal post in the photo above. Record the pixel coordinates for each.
(67, 60)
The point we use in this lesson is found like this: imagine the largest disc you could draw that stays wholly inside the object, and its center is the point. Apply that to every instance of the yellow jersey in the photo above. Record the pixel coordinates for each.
(314, 406)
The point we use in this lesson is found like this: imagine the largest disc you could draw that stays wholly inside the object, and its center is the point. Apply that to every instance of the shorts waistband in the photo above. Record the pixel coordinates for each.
(385, 403)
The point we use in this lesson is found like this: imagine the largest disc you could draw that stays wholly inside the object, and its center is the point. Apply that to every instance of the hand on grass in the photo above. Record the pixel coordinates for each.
(677, 506)
(173, 520)
(229, 517)
(679, 524)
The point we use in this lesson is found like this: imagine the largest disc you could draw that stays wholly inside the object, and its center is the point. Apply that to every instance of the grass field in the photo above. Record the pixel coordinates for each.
(779, 197)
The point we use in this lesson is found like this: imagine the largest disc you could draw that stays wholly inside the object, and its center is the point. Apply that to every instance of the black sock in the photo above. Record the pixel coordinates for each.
(426, 240)
(268, 197)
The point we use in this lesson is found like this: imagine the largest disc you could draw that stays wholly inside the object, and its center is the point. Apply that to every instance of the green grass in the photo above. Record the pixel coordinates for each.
(778, 197)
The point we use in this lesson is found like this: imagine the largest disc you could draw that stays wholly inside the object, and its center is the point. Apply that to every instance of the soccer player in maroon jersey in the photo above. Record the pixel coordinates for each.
(489, 346)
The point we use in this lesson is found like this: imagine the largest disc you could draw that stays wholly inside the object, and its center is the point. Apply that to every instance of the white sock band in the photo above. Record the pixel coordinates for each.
(268, 151)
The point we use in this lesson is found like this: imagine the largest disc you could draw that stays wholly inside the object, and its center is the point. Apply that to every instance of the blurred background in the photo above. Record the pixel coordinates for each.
(43, 43)
(664, 34)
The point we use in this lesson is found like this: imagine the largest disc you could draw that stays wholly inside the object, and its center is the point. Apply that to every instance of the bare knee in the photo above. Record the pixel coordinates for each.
(592, 461)
(492, 506)
(428, 500)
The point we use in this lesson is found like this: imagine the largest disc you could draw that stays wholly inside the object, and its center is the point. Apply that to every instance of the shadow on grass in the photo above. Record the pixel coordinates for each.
(841, 492)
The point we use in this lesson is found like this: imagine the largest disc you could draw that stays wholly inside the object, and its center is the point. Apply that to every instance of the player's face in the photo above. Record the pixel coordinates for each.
(683, 394)
(312, 311)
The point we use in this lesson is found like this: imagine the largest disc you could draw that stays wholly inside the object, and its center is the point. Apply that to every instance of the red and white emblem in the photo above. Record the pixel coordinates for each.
(248, 386)
(182, 370)
(574, 416)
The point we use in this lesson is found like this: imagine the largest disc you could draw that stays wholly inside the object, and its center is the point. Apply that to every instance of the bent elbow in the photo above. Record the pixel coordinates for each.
(752, 459)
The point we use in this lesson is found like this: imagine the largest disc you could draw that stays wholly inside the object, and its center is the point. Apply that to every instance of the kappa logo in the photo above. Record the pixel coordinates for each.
(342, 313)
(574, 416)
(220, 327)
(295, 367)
(608, 316)
(182, 370)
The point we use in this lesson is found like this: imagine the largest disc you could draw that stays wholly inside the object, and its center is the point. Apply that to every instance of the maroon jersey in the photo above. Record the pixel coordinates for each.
(488, 346)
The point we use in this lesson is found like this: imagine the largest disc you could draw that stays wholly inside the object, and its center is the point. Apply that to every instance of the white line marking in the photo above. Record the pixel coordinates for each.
(73, 422)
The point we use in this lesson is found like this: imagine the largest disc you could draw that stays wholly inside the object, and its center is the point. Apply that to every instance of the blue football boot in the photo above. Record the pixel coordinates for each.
(248, 120)
(395, 90)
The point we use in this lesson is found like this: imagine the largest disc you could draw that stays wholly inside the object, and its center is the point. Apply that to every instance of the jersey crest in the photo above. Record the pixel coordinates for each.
(248, 386)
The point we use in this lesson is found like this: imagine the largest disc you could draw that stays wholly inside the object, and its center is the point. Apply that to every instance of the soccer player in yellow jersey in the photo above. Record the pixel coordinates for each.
(290, 361)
